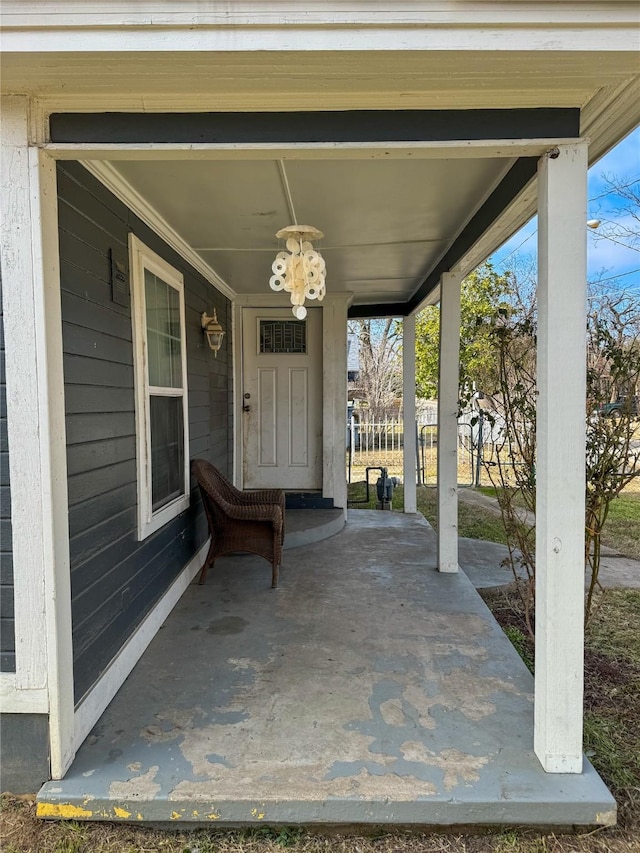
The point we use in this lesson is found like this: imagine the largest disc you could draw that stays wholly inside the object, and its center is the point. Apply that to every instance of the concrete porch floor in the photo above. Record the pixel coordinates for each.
(367, 689)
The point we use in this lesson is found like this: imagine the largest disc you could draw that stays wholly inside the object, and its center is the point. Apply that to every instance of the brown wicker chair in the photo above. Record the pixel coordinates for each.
(240, 521)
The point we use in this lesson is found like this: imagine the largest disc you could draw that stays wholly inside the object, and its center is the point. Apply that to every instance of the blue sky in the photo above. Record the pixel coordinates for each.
(605, 259)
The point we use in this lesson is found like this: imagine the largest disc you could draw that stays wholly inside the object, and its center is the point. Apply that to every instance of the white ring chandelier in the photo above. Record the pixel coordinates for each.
(300, 270)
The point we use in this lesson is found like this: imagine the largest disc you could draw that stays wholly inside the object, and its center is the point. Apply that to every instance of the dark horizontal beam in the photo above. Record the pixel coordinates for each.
(328, 126)
(383, 309)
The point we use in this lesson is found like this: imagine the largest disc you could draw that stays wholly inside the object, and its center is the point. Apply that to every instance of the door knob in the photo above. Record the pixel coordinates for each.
(246, 408)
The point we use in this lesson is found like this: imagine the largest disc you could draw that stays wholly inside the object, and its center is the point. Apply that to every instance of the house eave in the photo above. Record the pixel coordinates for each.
(421, 24)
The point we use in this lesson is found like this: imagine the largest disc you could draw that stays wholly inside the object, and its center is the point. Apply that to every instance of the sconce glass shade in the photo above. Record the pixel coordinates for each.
(301, 269)
(213, 331)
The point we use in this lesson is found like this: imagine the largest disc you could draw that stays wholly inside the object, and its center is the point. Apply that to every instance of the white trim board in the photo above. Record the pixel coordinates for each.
(19, 700)
(53, 457)
(39, 14)
(36, 432)
(324, 35)
(141, 260)
(238, 373)
(97, 700)
(22, 299)
(92, 153)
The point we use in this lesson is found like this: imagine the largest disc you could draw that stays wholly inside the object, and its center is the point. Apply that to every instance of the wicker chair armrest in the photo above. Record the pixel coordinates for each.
(256, 512)
(264, 496)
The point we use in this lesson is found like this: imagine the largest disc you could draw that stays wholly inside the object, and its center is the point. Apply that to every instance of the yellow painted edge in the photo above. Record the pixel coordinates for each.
(66, 811)
(123, 813)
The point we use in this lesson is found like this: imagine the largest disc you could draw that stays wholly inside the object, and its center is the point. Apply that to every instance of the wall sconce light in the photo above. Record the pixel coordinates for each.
(213, 331)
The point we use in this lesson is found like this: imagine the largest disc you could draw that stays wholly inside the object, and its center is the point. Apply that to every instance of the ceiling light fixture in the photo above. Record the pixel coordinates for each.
(301, 269)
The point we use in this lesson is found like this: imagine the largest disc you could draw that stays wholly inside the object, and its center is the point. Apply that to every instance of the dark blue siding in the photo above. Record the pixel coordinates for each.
(116, 580)
(7, 632)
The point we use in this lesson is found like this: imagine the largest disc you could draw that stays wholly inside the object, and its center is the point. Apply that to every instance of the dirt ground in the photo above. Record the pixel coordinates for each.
(22, 833)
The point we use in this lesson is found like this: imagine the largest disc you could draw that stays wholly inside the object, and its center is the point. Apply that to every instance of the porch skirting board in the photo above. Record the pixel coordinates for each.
(93, 705)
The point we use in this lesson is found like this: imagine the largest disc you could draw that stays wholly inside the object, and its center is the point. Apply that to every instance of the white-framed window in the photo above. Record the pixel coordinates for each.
(160, 377)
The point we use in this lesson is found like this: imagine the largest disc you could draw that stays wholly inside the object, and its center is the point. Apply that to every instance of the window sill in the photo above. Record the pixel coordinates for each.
(162, 517)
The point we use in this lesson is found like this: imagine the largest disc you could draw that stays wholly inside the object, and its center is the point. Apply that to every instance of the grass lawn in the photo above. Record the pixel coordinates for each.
(473, 522)
(622, 528)
(612, 690)
(612, 741)
(71, 837)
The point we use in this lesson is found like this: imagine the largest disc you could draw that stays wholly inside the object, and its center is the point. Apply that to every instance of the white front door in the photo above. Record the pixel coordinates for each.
(282, 399)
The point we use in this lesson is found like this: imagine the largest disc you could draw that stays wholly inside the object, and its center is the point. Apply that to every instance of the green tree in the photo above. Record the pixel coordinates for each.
(612, 456)
(484, 293)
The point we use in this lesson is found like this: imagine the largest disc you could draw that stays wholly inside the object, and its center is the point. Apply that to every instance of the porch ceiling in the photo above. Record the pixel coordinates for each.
(386, 223)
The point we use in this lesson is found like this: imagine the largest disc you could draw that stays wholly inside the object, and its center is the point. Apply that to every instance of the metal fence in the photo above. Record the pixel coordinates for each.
(381, 443)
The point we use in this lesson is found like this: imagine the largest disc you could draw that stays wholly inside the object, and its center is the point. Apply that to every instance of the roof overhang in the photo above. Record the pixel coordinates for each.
(327, 98)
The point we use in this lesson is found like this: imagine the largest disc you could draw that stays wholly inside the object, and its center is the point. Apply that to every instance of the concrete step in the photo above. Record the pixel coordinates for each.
(306, 526)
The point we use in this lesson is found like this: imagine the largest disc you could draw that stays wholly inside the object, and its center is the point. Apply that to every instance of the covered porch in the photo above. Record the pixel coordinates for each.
(182, 143)
(368, 689)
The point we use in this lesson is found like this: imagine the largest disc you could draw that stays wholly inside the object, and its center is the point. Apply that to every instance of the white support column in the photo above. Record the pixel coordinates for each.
(560, 494)
(237, 332)
(27, 689)
(448, 395)
(36, 429)
(334, 397)
(53, 456)
(409, 410)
